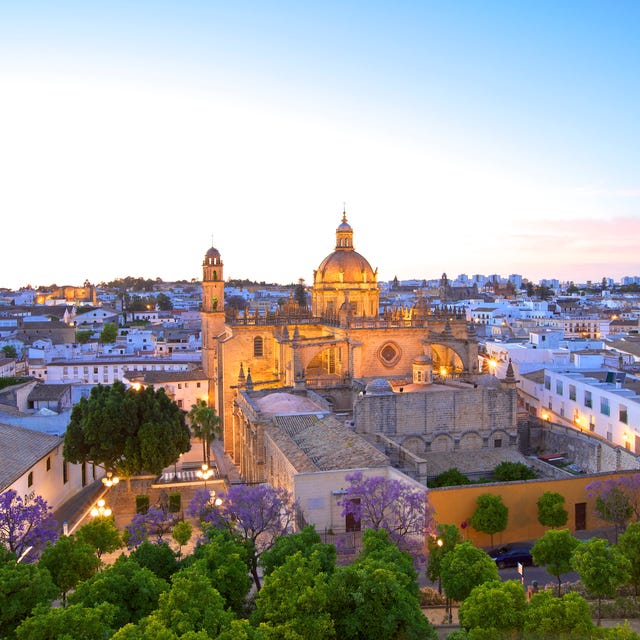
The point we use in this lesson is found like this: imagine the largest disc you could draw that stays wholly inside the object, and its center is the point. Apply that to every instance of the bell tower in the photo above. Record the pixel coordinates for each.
(213, 320)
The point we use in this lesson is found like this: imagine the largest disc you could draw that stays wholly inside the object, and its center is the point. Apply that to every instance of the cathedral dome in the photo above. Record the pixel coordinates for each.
(345, 281)
(344, 265)
(213, 253)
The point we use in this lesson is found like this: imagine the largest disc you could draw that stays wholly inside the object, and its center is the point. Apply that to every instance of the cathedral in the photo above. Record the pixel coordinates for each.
(406, 380)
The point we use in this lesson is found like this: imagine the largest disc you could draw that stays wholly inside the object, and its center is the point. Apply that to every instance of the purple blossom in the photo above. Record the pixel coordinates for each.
(382, 503)
(155, 522)
(261, 512)
(26, 525)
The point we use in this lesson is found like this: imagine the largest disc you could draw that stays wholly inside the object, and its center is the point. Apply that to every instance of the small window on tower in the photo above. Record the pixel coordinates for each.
(258, 347)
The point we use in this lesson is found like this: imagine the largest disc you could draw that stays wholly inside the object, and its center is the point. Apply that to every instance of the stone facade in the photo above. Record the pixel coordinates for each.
(338, 347)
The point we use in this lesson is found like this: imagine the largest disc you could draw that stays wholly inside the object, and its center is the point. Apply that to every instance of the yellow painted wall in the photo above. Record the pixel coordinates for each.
(455, 505)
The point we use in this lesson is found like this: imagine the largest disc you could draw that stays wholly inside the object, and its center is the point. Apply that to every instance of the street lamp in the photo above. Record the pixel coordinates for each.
(216, 502)
(100, 510)
(205, 473)
(109, 480)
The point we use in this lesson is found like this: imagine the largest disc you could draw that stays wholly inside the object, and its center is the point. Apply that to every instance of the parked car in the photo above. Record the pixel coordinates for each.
(511, 556)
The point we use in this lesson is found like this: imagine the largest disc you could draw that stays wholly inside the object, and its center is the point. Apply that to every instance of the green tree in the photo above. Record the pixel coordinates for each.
(567, 617)
(601, 567)
(9, 351)
(192, 604)
(307, 541)
(378, 546)
(163, 302)
(101, 534)
(374, 598)
(22, 587)
(554, 551)
(464, 568)
(450, 478)
(293, 601)
(109, 333)
(551, 511)
(82, 337)
(491, 515)
(69, 561)
(509, 471)
(629, 545)
(126, 430)
(223, 559)
(158, 558)
(205, 425)
(72, 623)
(495, 607)
(134, 591)
(181, 533)
(447, 536)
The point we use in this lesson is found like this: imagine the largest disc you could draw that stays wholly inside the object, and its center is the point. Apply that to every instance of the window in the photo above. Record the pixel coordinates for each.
(604, 406)
(30, 479)
(65, 472)
(179, 403)
(622, 414)
(497, 443)
(587, 399)
(198, 385)
(559, 389)
(258, 347)
(572, 392)
(547, 382)
(49, 463)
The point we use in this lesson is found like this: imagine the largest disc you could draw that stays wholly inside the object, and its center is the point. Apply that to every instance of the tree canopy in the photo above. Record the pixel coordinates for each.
(128, 431)
(602, 568)
(490, 516)
(464, 568)
(551, 511)
(495, 607)
(554, 551)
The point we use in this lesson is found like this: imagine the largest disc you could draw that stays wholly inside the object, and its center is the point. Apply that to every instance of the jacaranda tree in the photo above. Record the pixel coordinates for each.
(400, 508)
(258, 513)
(26, 524)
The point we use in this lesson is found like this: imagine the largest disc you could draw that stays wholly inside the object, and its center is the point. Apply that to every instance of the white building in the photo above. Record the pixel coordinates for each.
(604, 402)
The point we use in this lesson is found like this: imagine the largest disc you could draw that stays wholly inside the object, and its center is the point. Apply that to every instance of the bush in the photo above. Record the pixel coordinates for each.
(508, 471)
(175, 502)
(142, 503)
(450, 478)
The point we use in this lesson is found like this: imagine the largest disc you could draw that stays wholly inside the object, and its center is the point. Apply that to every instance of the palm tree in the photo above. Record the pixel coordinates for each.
(205, 424)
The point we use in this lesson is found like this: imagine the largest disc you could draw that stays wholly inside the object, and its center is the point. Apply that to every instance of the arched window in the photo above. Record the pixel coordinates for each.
(258, 347)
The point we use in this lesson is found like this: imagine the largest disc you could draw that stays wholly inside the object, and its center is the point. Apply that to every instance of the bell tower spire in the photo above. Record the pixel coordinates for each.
(344, 234)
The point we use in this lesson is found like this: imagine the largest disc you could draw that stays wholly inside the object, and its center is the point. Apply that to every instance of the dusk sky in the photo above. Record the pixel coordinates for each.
(464, 137)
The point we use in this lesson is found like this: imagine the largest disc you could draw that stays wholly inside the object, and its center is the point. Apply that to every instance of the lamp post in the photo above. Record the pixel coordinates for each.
(100, 510)
(205, 472)
(216, 502)
(109, 480)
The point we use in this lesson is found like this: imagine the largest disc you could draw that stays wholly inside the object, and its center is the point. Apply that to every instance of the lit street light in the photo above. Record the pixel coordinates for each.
(109, 480)
(205, 473)
(100, 510)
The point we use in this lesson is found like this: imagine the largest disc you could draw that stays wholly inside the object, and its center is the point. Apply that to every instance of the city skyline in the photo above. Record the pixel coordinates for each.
(461, 138)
